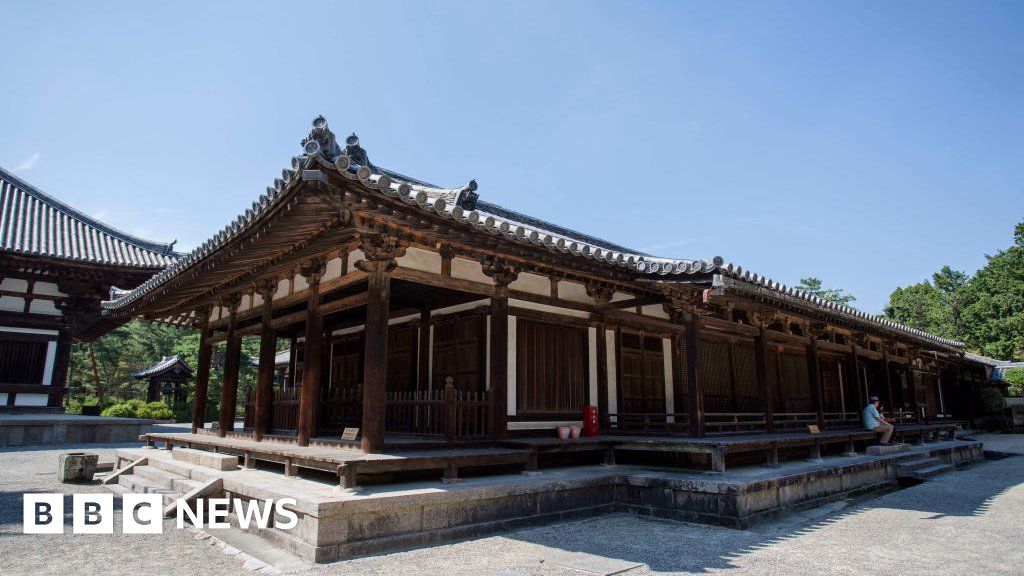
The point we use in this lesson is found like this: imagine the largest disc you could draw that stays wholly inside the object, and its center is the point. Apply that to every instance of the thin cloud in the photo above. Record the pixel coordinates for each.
(666, 245)
(28, 164)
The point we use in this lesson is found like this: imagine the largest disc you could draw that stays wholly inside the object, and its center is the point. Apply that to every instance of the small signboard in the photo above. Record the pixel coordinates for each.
(350, 433)
(813, 429)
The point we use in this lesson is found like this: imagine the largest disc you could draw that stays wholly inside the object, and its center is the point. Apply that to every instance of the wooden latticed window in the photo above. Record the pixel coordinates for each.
(22, 361)
(745, 385)
(716, 376)
(459, 352)
(832, 394)
(794, 383)
(551, 369)
(346, 364)
(402, 357)
(641, 374)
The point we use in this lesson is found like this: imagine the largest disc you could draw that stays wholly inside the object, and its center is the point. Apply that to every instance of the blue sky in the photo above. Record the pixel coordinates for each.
(864, 143)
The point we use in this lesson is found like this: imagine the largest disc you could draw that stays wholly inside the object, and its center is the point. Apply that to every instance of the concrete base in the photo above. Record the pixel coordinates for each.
(337, 524)
(46, 429)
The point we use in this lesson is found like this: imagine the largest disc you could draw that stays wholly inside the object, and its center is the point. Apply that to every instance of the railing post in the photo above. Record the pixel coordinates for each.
(449, 411)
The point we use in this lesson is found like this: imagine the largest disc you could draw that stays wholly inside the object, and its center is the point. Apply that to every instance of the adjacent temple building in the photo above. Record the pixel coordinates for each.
(419, 310)
(57, 265)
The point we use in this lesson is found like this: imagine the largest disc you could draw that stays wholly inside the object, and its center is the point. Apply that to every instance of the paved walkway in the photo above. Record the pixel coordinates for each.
(962, 522)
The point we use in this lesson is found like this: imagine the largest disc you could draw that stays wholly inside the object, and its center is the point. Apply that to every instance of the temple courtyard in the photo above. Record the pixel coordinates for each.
(967, 521)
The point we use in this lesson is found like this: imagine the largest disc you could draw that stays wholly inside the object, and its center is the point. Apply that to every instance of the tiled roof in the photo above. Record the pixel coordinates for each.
(999, 367)
(35, 224)
(322, 152)
(283, 357)
(166, 363)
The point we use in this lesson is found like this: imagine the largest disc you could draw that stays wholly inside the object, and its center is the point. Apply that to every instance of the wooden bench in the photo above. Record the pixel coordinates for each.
(549, 445)
(925, 432)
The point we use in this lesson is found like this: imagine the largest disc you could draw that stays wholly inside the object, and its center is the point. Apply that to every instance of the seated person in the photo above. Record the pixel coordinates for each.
(873, 420)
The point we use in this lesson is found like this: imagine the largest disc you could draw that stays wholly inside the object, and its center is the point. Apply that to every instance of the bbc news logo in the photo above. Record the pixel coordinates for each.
(143, 513)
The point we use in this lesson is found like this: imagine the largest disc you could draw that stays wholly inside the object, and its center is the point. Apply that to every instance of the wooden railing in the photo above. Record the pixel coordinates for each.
(793, 420)
(284, 410)
(341, 408)
(732, 422)
(453, 413)
(842, 420)
(647, 423)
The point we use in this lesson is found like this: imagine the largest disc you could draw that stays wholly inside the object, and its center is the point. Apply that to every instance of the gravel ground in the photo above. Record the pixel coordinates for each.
(967, 521)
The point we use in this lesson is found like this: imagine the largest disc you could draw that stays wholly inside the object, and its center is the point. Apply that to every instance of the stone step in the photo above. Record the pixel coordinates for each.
(880, 450)
(204, 458)
(157, 475)
(906, 468)
(141, 485)
(933, 470)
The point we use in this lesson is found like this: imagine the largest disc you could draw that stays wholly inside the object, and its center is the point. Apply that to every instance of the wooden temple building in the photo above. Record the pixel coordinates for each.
(56, 266)
(416, 311)
(167, 380)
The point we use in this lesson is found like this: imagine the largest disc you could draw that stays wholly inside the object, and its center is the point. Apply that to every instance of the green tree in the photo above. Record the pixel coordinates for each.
(813, 286)
(935, 306)
(993, 303)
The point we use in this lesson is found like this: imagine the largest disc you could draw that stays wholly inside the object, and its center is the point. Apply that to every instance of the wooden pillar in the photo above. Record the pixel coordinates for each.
(202, 371)
(309, 393)
(858, 377)
(765, 377)
(693, 381)
(503, 275)
(888, 378)
(424, 351)
(380, 253)
(268, 350)
(814, 375)
(293, 362)
(61, 363)
(232, 362)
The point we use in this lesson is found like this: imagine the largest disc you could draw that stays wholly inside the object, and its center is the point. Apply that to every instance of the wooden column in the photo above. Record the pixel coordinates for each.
(232, 361)
(380, 253)
(503, 275)
(309, 393)
(814, 375)
(424, 352)
(293, 362)
(693, 383)
(61, 362)
(765, 377)
(268, 350)
(202, 371)
(858, 376)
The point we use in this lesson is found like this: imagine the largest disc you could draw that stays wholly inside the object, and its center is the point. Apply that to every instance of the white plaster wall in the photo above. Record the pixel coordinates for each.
(469, 270)
(14, 285)
(51, 355)
(45, 332)
(48, 307)
(31, 399)
(609, 341)
(282, 289)
(616, 296)
(3, 398)
(419, 259)
(300, 284)
(355, 256)
(47, 288)
(574, 292)
(655, 310)
(333, 269)
(12, 303)
(532, 283)
(461, 307)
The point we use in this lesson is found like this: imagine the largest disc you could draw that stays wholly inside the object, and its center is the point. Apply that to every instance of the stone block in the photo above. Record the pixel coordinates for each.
(77, 466)
(881, 450)
(207, 459)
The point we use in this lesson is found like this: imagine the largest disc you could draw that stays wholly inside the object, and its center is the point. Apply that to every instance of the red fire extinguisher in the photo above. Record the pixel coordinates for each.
(590, 421)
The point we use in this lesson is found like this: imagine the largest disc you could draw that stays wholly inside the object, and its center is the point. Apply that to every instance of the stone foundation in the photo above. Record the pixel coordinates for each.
(334, 524)
(39, 429)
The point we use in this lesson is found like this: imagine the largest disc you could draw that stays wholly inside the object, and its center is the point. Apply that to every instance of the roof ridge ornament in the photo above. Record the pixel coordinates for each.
(467, 196)
(321, 140)
(355, 152)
